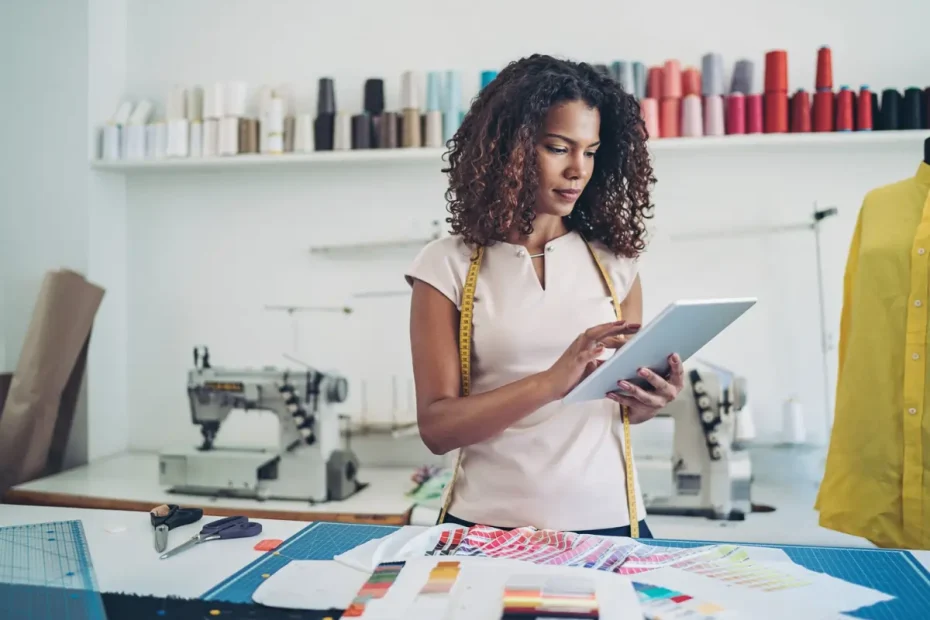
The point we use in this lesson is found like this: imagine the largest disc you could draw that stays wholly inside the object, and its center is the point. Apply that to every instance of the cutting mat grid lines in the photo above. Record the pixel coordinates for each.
(54, 556)
(895, 572)
(318, 541)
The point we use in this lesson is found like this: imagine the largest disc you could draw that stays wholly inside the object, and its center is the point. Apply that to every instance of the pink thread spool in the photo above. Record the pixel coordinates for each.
(736, 113)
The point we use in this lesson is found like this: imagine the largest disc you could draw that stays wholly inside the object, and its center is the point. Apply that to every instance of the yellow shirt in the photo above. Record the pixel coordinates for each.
(877, 479)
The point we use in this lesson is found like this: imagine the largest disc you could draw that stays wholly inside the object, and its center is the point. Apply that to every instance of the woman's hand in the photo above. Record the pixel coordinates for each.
(644, 405)
(580, 358)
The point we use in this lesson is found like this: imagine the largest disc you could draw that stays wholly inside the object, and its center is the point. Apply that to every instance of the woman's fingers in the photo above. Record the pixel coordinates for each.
(641, 395)
(635, 408)
(677, 377)
(662, 386)
(606, 330)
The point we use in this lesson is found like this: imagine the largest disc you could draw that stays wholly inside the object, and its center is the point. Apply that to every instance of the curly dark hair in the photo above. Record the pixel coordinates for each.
(492, 169)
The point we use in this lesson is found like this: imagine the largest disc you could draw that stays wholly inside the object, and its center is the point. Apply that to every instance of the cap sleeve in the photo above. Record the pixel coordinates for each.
(443, 264)
(622, 270)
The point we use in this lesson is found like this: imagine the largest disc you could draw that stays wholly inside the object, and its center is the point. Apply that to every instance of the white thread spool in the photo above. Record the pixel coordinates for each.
(793, 430)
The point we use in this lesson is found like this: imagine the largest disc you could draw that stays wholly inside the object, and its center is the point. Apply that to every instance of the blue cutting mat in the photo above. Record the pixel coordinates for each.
(54, 555)
(896, 573)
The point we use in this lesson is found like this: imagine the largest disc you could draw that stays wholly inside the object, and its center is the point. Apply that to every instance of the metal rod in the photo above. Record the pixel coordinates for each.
(824, 341)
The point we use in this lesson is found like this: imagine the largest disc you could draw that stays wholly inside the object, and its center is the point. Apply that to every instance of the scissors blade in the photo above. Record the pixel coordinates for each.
(161, 538)
(182, 547)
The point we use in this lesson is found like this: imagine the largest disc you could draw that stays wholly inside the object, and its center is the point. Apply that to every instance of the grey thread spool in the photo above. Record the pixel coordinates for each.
(639, 80)
(712, 75)
(742, 77)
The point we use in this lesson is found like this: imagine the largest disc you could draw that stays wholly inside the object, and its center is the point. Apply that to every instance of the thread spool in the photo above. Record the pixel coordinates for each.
(742, 81)
(736, 114)
(176, 105)
(248, 135)
(776, 112)
(324, 129)
(228, 140)
(178, 137)
(876, 112)
(361, 131)
(290, 126)
(754, 113)
(387, 131)
(433, 91)
(451, 106)
(374, 96)
(624, 75)
(844, 109)
(135, 142)
(639, 80)
(800, 112)
(714, 124)
(213, 101)
(194, 105)
(864, 109)
(671, 80)
(654, 82)
(211, 136)
(649, 110)
(690, 82)
(325, 97)
(342, 134)
(911, 109)
(824, 80)
(411, 128)
(110, 142)
(487, 77)
(149, 141)
(196, 139)
(303, 133)
(670, 118)
(891, 107)
(823, 111)
(234, 99)
(433, 128)
(712, 75)
(409, 92)
(272, 127)
(692, 121)
(776, 71)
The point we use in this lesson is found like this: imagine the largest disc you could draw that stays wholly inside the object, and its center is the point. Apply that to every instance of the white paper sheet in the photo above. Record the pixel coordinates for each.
(479, 589)
(311, 584)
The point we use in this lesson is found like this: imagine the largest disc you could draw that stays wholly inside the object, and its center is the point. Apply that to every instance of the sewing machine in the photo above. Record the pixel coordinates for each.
(307, 463)
(709, 471)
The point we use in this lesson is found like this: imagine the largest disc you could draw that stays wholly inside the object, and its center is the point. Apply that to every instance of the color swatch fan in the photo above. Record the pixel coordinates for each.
(46, 572)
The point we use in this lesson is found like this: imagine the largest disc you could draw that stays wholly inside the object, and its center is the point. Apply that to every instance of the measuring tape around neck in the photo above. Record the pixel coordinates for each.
(465, 337)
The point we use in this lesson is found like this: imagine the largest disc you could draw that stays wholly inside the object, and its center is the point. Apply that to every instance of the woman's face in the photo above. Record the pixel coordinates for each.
(565, 155)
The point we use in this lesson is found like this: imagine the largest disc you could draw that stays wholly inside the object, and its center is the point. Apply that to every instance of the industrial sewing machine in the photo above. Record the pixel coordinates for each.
(308, 462)
(709, 469)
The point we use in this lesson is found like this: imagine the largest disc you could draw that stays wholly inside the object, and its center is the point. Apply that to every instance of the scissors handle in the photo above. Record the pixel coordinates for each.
(230, 527)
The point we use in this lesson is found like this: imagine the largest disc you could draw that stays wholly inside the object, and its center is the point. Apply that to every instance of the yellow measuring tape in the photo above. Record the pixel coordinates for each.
(465, 333)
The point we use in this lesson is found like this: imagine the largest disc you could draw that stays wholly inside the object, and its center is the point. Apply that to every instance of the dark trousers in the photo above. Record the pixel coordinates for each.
(610, 531)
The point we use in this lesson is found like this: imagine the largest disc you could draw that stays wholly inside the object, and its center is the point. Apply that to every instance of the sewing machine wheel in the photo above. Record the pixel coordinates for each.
(338, 390)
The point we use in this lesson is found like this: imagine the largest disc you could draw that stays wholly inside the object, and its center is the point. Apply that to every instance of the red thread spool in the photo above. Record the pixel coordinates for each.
(844, 110)
(654, 83)
(690, 82)
(776, 112)
(824, 69)
(670, 118)
(823, 110)
(800, 112)
(671, 85)
(754, 113)
(736, 114)
(776, 71)
(864, 110)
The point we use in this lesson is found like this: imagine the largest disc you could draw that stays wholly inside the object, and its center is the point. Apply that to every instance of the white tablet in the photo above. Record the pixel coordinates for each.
(684, 327)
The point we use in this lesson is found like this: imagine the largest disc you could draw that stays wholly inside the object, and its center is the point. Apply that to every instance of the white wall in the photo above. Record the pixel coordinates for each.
(66, 65)
(192, 258)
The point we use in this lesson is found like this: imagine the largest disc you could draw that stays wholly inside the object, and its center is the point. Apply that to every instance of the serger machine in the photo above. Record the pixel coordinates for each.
(711, 474)
(308, 462)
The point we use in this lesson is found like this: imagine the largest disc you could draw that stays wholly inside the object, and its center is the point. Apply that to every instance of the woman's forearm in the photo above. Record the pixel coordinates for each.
(452, 423)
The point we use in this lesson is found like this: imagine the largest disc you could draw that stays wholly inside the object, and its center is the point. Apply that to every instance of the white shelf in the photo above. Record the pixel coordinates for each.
(434, 155)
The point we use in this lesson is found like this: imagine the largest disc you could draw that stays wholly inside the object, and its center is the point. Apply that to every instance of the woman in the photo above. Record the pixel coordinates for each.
(549, 192)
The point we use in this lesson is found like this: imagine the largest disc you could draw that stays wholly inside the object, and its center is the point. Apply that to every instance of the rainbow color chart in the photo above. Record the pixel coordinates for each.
(540, 596)
(376, 587)
(664, 604)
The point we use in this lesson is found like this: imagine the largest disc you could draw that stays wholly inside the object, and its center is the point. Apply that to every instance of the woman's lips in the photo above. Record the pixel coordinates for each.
(568, 194)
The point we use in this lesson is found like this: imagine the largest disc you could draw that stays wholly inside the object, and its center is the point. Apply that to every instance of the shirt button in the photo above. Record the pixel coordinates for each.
(549, 248)
(912, 411)
(921, 251)
(521, 252)
(915, 356)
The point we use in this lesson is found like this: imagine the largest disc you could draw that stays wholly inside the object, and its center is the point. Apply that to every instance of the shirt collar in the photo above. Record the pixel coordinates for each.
(923, 174)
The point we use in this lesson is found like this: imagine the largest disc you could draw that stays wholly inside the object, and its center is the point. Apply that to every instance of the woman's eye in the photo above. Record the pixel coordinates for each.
(591, 154)
(556, 149)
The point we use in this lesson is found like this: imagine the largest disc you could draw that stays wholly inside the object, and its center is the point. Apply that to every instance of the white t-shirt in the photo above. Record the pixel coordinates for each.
(560, 467)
